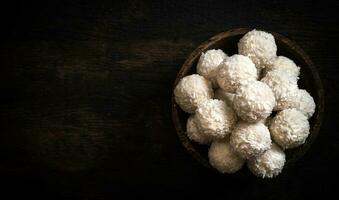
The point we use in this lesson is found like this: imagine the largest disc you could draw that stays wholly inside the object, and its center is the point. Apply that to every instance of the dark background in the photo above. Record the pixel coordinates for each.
(86, 87)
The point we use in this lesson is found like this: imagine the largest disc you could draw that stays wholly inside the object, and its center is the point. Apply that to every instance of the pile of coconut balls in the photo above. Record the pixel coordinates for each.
(247, 106)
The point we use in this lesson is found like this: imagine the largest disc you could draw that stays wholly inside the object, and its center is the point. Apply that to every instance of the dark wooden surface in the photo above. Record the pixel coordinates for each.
(86, 90)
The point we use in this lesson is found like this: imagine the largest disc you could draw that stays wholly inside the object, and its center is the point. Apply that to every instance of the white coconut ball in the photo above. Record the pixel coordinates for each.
(194, 134)
(269, 164)
(254, 102)
(299, 99)
(215, 118)
(259, 46)
(250, 139)
(191, 91)
(223, 158)
(224, 96)
(208, 64)
(235, 71)
(284, 64)
(281, 83)
(289, 128)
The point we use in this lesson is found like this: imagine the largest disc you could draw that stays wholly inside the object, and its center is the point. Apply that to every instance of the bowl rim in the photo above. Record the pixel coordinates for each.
(187, 143)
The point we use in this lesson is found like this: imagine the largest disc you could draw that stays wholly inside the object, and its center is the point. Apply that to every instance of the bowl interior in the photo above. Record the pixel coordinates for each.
(227, 41)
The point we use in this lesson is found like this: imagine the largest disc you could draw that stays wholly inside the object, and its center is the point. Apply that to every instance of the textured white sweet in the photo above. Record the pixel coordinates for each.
(224, 96)
(254, 102)
(269, 164)
(208, 64)
(285, 64)
(289, 128)
(223, 158)
(250, 139)
(299, 99)
(191, 91)
(194, 134)
(215, 118)
(259, 46)
(235, 71)
(281, 83)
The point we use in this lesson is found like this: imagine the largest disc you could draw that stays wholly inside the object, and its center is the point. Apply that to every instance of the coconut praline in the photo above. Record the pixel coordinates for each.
(281, 83)
(215, 118)
(299, 99)
(194, 134)
(284, 64)
(208, 64)
(259, 46)
(235, 71)
(254, 102)
(250, 139)
(289, 128)
(269, 164)
(191, 91)
(223, 158)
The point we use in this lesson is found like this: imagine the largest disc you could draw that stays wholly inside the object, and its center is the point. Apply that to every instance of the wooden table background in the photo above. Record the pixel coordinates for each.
(85, 96)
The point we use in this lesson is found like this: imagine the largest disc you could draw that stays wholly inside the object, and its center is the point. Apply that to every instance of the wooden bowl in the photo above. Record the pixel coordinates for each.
(227, 41)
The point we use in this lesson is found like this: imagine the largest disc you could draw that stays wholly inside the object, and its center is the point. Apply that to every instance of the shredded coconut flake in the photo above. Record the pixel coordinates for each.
(290, 128)
(235, 71)
(215, 118)
(250, 139)
(191, 91)
(254, 102)
(299, 99)
(208, 64)
(281, 83)
(269, 164)
(194, 134)
(284, 64)
(223, 158)
(224, 96)
(259, 46)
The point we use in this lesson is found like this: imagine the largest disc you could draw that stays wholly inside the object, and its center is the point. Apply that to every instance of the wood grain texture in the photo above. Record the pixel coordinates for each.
(86, 94)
